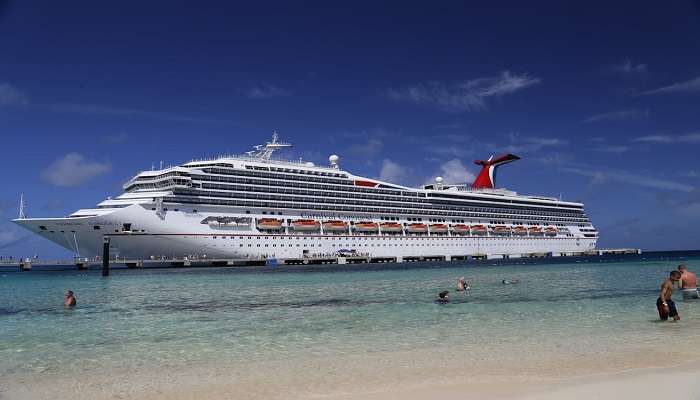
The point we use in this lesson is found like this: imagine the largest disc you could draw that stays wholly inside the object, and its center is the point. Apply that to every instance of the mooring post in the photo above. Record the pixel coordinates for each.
(105, 256)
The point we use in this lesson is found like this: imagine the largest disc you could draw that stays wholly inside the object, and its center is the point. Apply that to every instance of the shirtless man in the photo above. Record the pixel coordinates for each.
(666, 306)
(688, 283)
(69, 300)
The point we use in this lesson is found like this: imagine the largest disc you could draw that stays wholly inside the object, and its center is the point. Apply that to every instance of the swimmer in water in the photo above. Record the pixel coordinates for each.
(510, 281)
(462, 285)
(69, 299)
(443, 297)
(688, 283)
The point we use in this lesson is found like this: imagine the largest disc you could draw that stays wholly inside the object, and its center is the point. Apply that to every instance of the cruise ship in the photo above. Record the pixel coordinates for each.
(256, 206)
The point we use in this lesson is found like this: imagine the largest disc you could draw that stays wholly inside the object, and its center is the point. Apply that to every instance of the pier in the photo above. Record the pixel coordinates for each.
(27, 264)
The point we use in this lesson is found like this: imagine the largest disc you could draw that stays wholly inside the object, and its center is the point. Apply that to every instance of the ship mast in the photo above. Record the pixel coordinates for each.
(22, 206)
(264, 151)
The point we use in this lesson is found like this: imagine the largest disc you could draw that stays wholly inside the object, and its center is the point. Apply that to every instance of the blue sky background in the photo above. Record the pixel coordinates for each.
(600, 99)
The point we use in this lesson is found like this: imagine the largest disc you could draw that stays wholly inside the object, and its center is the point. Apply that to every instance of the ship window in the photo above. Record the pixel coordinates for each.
(96, 227)
(42, 227)
(127, 226)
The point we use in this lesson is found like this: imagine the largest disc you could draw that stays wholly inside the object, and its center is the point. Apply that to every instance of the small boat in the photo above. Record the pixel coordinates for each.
(366, 226)
(417, 228)
(535, 230)
(460, 229)
(269, 224)
(520, 231)
(335, 226)
(438, 228)
(479, 229)
(306, 225)
(551, 231)
(391, 227)
(226, 222)
(501, 230)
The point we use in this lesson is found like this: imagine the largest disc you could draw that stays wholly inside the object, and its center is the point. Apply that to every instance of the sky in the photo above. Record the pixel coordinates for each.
(600, 99)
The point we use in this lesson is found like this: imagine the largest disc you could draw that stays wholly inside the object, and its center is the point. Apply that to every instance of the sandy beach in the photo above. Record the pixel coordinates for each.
(368, 378)
(681, 382)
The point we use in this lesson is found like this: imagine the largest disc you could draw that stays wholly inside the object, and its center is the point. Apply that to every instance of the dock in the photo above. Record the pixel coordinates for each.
(27, 265)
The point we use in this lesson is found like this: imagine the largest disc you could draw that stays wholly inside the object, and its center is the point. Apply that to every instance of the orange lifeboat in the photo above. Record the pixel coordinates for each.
(417, 228)
(438, 228)
(391, 227)
(460, 229)
(520, 231)
(306, 225)
(366, 226)
(479, 229)
(269, 224)
(551, 231)
(535, 230)
(501, 230)
(335, 226)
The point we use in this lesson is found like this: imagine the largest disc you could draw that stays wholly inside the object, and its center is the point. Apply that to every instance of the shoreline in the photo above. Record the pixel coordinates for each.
(359, 378)
(639, 383)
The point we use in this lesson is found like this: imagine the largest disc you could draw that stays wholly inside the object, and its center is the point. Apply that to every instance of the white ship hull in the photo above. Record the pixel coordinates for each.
(180, 234)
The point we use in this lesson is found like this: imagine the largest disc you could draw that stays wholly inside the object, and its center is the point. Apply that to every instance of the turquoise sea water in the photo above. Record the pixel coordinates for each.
(332, 323)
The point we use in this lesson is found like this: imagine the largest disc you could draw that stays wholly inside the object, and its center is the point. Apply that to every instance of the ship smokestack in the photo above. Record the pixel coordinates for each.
(487, 177)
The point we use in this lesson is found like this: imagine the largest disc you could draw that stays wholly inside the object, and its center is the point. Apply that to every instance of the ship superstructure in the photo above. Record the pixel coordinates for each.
(256, 206)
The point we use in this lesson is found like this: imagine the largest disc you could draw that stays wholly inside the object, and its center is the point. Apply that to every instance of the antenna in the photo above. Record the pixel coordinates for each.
(22, 205)
(264, 151)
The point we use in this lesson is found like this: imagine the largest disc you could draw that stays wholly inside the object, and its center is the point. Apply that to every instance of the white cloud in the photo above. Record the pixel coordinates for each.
(687, 138)
(520, 145)
(628, 67)
(11, 96)
(116, 138)
(454, 125)
(367, 149)
(128, 112)
(455, 172)
(466, 96)
(267, 91)
(620, 115)
(691, 86)
(392, 172)
(601, 176)
(7, 237)
(612, 149)
(73, 170)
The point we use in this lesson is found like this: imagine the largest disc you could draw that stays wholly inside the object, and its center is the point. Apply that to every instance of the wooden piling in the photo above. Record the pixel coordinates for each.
(105, 256)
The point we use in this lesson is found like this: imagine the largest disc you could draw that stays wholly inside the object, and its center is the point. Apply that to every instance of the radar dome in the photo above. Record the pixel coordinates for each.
(333, 159)
(438, 179)
(310, 164)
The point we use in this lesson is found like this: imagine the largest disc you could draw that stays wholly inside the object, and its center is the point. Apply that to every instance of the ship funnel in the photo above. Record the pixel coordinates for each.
(487, 177)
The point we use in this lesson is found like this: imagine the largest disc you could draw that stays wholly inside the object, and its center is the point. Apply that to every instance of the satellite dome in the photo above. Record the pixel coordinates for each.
(333, 159)
(310, 164)
(438, 179)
